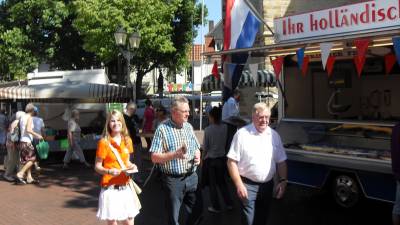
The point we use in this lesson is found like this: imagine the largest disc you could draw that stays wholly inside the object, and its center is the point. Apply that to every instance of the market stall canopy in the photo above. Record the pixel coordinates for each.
(71, 91)
(265, 78)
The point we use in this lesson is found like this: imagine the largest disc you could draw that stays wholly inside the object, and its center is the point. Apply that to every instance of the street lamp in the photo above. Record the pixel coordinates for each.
(127, 48)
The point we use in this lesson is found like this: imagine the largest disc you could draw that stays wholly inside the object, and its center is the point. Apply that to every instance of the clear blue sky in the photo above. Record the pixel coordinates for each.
(214, 13)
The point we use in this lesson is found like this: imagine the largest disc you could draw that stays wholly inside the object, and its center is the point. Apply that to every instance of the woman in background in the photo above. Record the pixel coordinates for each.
(74, 137)
(116, 198)
(27, 152)
(148, 120)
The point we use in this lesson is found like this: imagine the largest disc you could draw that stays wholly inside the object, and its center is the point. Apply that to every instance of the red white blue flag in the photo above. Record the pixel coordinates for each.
(240, 31)
(241, 25)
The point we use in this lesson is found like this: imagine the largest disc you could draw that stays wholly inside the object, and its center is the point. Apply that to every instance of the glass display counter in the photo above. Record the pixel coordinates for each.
(338, 138)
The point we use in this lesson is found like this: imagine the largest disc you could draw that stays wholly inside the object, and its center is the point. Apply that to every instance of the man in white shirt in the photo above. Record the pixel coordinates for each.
(231, 106)
(255, 155)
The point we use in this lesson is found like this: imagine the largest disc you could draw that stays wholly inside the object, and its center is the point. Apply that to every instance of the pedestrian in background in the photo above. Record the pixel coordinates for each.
(132, 124)
(395, 150)
(148, 120)
(161, 116)
(176, 150)
(231, 106)
(116, 198)
(214, 154)
(26, 150)
(12, 150)
(255, 154)
(74, 137)
(3, 129)
(38, 127)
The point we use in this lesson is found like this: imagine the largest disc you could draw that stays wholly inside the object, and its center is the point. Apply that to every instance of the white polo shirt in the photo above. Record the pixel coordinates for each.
(257, 153)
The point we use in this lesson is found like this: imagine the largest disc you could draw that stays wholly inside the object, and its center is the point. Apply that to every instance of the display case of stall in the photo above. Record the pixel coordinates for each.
(336, 129)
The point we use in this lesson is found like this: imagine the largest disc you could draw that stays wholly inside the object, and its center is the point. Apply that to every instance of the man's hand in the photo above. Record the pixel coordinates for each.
(242, 192)
(197, 157)
(180, 153)
(280, 189)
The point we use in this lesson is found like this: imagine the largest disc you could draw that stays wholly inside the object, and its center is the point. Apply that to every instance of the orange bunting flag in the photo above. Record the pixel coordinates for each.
(329, 64)
(214, 70)
(277, 64)
(359, 61)
(390, 60)
(362, 46)
(304, 67)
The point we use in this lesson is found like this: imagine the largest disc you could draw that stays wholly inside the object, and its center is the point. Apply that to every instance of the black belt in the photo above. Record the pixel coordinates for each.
(117, 187)
(248, 181)
(184, 175)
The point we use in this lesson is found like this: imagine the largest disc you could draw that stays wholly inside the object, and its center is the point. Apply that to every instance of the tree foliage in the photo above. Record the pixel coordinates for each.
(165, 27)
(76, 34)
(46, 35)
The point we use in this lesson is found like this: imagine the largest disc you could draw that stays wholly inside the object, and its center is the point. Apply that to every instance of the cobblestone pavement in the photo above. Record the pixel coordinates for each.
(69, 197)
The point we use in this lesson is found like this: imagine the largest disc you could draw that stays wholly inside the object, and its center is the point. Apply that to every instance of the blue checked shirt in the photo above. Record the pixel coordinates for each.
(168, 138)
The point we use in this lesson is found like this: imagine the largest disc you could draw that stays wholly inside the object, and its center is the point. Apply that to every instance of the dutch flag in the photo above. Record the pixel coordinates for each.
(241, 25)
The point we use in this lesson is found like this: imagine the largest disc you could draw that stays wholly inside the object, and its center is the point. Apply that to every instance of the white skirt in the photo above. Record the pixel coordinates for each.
(116, 204)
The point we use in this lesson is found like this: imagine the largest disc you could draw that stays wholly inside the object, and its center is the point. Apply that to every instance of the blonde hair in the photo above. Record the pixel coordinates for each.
(107, 132)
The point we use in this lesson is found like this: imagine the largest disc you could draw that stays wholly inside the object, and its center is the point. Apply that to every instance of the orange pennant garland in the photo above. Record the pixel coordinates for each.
(277, 64)
(390, 60)
(362, 46)
(304, 67)
(329, 64)
(214, 70)
(359, 61)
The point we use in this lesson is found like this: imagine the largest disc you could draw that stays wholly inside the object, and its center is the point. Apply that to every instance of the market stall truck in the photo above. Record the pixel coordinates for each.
(337, 130)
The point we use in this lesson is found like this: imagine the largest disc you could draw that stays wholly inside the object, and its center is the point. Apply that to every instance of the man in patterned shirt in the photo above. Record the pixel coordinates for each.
(176, 150)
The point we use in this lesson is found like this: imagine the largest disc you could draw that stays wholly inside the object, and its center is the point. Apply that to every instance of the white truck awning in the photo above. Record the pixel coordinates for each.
(67, 92)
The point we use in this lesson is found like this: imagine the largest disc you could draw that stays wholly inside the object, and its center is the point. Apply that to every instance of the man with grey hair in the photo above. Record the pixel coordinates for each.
(255, 155)
(176, 150)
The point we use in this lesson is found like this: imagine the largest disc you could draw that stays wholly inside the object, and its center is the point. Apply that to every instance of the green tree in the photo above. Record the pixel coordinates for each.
(165, 27)
(15, 61)
(47, 34)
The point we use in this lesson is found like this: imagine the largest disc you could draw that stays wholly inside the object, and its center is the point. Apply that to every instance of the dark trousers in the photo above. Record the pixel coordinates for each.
(178, 191)
(255, 209)
(217, 180)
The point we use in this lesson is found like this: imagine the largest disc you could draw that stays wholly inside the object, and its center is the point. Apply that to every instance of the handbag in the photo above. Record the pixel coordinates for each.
(134, 187)
(43, 149)
(15, 134)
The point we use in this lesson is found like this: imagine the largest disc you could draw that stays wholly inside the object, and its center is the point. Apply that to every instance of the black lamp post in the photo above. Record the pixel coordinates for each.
(127, 49)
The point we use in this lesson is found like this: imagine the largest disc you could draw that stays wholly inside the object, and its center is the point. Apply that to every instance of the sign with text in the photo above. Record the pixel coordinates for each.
(349, 19)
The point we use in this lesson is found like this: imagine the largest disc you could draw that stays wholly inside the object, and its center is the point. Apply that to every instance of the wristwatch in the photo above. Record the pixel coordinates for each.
(282, 180)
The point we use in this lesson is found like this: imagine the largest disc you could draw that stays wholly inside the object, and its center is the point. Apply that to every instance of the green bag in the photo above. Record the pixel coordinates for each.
(43, 149)
(64, 145)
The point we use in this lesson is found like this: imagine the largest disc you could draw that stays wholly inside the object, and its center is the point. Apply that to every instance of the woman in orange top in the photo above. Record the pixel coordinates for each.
(116, 199)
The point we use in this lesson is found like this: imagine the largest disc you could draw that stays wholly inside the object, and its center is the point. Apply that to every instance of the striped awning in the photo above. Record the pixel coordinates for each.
(264, 78)
(67, 92)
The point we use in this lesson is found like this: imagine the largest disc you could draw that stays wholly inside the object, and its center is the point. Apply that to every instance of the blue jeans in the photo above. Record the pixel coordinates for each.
(179, 190)
(255, 209)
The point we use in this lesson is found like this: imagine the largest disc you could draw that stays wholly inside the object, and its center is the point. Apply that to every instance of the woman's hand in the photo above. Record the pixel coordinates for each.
(114, 172)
